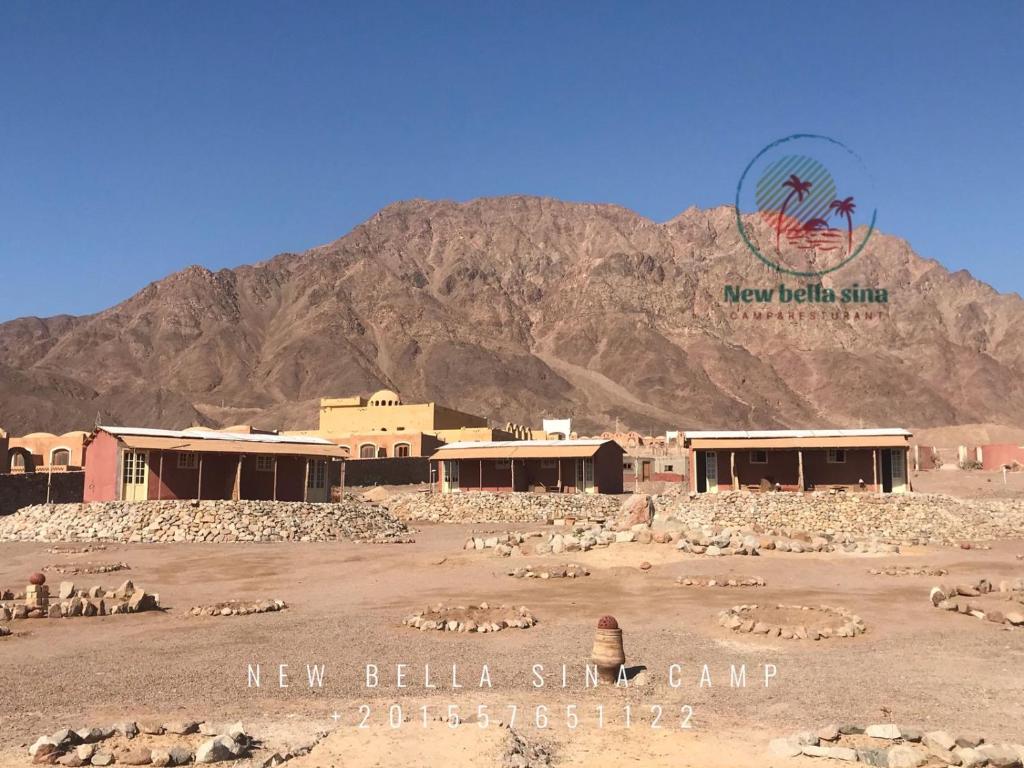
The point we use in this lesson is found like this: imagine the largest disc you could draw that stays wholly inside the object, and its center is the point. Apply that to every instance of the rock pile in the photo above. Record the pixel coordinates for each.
(209, 521)
(793, 622)
(569, 571)
(86, 746)
(954, 598)
(5, 632)
(720, 581)
(908, 570)
(895, 746)
(71, 602)
(904, 518)
(519, 753)
(75, 550)
(84, 569)
(238, 608)
(485, 507)
(471, 618)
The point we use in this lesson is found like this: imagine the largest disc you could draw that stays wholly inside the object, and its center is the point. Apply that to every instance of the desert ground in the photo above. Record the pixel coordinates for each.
(915, 665)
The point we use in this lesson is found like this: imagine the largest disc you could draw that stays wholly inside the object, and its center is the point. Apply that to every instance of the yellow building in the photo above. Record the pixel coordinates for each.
(383, 426)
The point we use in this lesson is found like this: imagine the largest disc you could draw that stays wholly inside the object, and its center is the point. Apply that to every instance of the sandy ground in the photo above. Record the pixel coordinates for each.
(916, 665)
(969, 484)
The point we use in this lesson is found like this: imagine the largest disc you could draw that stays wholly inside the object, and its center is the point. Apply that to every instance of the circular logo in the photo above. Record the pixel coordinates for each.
(804, 205)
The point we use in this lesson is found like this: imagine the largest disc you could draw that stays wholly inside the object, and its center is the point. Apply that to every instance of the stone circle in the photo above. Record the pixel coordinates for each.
(720, 581)
(792, 622)
(470, 618)
(84, 569)
(107, 745)
(908, 570)
(956, 598)
(238, 608)
(897, 746)
(566, 571)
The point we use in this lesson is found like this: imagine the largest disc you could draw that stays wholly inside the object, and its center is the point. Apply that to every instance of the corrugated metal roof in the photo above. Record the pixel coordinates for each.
(737, 434)
(519, 443)
(170, 443)
(202, 434)
(521, 449)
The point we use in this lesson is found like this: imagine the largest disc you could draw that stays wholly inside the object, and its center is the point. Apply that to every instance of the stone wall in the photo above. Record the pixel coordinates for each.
(21, 490)
(899, 517)
(484, 507)
(214, 521)
(395, 471)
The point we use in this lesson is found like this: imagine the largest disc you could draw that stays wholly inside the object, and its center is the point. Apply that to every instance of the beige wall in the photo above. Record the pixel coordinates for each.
(353, 415)
(42, 444)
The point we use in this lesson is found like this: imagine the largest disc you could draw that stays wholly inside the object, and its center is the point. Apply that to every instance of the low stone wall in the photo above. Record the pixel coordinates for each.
(214, 521)
(17, 491)
(897, 517)
(484, 507)
(395, 471)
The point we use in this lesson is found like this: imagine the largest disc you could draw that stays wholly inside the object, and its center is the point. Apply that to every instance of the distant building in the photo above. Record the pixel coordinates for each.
(4, 458)
(995, 456)
(137, 464)
(383, 426)
(799, 459)
(46, 452)
(556, 466)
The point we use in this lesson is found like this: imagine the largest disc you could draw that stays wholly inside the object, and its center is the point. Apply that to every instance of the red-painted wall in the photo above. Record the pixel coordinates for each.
(101, 469)
(994, 456)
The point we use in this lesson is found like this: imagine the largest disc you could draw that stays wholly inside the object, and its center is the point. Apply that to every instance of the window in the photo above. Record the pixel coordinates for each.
(667, 468)
(502, 463)
(17, 459)
(188, 460)
(548, 463)
(264, 463)
(60, 457)
(402, 450)
(835, 456)
(317, 474)
(627, 465)
(368, 451)
(759, 457)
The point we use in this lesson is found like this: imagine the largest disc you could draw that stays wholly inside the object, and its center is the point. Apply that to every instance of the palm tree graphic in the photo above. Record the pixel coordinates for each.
(845, 208)
(797, 187)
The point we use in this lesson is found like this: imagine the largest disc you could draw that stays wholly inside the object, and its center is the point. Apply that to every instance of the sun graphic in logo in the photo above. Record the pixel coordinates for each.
(800, 215)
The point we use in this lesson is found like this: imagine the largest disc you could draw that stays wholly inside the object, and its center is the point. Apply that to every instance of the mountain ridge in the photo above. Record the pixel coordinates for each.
(521, 307)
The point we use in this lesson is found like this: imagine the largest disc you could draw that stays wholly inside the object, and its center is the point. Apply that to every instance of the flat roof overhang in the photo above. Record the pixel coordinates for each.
(795, 443)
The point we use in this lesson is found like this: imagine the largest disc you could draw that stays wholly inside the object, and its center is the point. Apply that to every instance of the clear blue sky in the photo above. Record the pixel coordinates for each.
(139, 138)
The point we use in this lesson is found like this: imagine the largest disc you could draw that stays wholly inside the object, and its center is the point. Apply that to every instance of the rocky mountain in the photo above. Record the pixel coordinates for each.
(520, 308)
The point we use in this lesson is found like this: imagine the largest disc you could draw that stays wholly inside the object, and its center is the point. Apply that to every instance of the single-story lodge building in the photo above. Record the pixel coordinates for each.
(555, 466)
(139, 464)
(799, 460)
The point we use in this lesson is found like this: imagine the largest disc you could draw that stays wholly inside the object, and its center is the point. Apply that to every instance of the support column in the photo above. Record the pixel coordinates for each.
(874, 469)
(305, 483)
(733, 480)
(160, 477)
(800, 468)
(906, 471)
(560, 475)
(236, 488)
(275, 479)
(480, 485)
(512, 465)
(199, 480)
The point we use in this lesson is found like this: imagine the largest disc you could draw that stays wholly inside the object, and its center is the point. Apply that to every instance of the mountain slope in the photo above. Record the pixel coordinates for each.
(519, 308)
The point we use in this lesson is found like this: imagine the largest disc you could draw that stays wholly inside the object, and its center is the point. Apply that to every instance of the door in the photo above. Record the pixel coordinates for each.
(886, 462)
(646, 470)
(584, 475)
(898, 465)
(711, 472)
(700, 472)
(316, 482)
(135, 476)
(450, 479)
